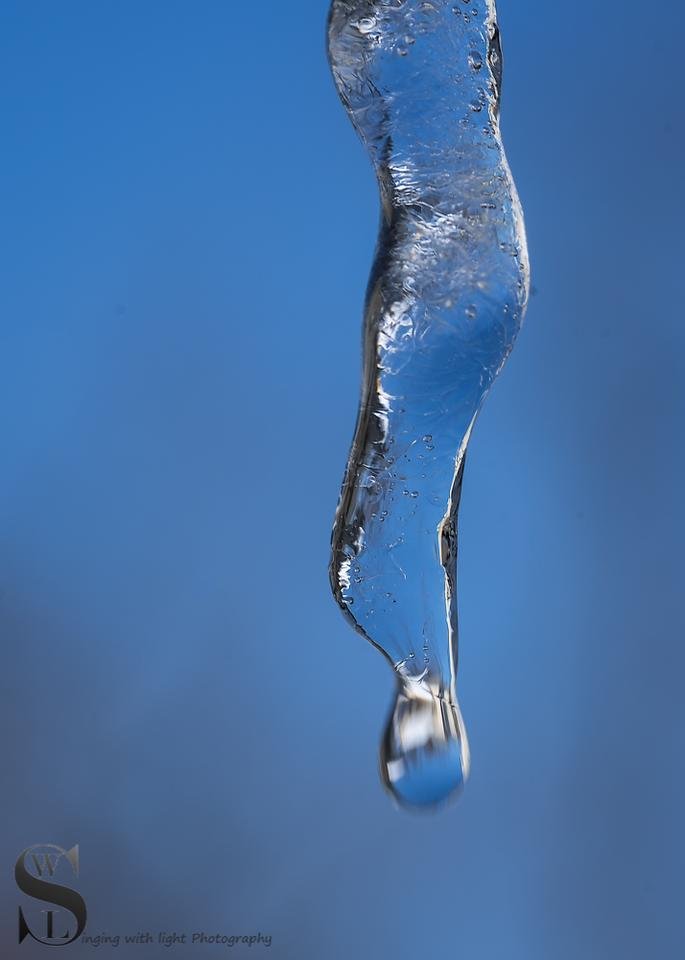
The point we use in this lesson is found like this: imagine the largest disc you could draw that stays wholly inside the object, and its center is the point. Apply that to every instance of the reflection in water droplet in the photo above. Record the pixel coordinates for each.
(424, 752)
(445, 301)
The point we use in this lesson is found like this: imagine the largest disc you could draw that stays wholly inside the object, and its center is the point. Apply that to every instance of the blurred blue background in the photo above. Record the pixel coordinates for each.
(187, 224)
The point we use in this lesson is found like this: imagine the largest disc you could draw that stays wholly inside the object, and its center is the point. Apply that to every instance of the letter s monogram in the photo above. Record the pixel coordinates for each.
(56, 893)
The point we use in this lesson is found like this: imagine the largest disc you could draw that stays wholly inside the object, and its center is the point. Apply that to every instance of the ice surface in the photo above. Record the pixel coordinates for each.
(448, 289)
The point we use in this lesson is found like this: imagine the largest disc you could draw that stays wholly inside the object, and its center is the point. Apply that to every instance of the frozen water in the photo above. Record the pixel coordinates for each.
(420, 80)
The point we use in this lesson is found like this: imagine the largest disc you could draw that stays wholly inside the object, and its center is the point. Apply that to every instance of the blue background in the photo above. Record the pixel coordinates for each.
(187, 224)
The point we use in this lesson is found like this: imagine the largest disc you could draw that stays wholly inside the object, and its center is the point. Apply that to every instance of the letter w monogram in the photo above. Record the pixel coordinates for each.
(50, 861)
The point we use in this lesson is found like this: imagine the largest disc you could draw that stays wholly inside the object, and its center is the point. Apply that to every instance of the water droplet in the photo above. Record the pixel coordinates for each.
(425, 753)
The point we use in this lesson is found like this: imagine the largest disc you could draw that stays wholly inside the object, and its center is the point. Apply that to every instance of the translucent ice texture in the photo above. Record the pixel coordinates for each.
(448, 289)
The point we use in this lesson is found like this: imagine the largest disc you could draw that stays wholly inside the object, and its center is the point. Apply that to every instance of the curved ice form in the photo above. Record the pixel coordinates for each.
(448, 290)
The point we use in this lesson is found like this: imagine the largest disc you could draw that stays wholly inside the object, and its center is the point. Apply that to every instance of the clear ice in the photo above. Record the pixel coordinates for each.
(420, 80)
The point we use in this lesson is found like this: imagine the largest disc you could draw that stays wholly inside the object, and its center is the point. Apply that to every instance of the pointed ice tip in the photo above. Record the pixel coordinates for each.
(424, 753)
